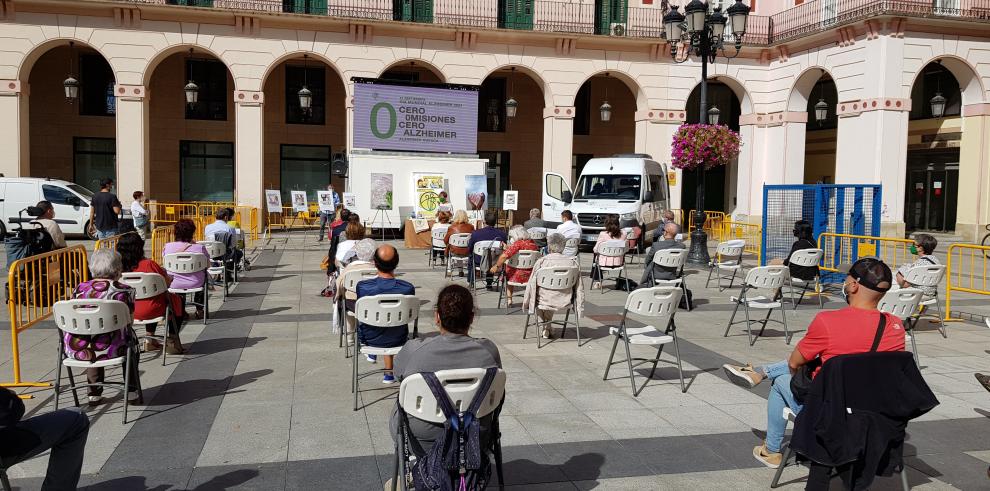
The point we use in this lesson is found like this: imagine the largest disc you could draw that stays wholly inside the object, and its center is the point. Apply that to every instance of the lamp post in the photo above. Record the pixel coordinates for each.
(703, 32)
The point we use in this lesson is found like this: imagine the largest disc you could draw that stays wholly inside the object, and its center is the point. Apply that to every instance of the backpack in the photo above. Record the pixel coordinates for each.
(456, 461)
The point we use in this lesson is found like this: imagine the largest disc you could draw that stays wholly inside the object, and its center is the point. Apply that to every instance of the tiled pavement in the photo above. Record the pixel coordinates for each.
(262, 400)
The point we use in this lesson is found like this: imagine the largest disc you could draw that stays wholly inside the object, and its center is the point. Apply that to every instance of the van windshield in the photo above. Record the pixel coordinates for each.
(607, 187)
(81, 190)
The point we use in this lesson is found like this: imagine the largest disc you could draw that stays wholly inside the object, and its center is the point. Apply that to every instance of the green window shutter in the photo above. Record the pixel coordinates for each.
(518, 14)
(603, 16)
(318, 7)
(423, 11)
(620, 10)
(402, 10)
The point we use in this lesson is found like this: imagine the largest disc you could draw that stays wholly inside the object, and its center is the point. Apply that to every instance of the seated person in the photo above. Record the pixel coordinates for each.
(534, 220)
(569, 229)
(218, 225)
(63, 431)
(47, 220)
(337, 226)
(355, 232)
(105, 267)
(131, 250)
(221, 231)
(518, 241)
(652, 271)
(364, 254)
(443, 221)
(386, 260)
(551, 300)
(488, 232)
(805, 235)
(459, 225)
(831, 333)
(668, 217)
(185, 229)
(612, 232)
(924, 246)
(452, 349)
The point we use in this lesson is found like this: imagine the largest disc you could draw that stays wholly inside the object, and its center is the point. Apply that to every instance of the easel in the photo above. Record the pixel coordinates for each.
(381, 211)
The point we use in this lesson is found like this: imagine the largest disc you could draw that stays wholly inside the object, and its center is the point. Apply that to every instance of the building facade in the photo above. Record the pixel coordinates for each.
(877, 67)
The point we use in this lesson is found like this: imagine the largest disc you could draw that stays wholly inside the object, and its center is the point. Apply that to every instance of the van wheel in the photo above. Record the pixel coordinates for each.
(87, 232)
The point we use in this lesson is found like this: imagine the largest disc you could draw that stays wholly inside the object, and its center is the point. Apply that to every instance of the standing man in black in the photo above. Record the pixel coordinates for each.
(104, 214)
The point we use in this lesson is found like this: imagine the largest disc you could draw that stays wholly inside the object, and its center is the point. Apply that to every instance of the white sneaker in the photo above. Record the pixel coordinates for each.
(596, 285)
(546, 333)
(95, 399)
(371, 358)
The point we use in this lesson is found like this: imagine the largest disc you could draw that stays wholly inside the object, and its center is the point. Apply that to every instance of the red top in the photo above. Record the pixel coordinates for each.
(847, 331)
(155, 306)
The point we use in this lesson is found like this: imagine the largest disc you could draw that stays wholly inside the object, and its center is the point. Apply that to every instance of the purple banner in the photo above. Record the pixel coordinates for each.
(418, 119)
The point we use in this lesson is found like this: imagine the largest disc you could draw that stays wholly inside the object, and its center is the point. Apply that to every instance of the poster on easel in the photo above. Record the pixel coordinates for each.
(381, 191)
(299, 201)
(273, 200)
(350, 201)
(510, 200)
(428, 194)
(325, 200)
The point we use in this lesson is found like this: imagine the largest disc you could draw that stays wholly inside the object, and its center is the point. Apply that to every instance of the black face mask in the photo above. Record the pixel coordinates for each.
(795, 232)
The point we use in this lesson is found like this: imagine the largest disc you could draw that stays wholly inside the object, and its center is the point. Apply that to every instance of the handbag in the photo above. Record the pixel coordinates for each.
(801, 380)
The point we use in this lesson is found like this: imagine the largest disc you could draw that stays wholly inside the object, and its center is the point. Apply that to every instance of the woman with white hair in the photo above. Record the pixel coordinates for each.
(459, 225)
(518, 241)
(364, 254)
(105, 267)
(551, 300)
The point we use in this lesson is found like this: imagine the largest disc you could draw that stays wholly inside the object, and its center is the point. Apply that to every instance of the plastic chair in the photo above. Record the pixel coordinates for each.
(806, 258)
(728, 257)
(146, 286)
(659, 304)
(380, 312)
(349, 284)
(770, 279)
(676, 259)
(928, 278)
(92, 317)
(522, 260)
(538, 235)
(456, 260)
(188, 263)
(615, 249)
(632, 250)
(437, 245)
(904, 303)
(572, 244)
(461, 385)
(218, 266)
(564, 278)
(489, 250)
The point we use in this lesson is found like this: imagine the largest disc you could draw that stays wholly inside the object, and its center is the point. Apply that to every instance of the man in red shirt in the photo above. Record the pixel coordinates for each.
(832, 333)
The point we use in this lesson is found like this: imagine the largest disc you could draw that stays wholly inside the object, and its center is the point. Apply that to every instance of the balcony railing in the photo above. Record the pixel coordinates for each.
(579, 17)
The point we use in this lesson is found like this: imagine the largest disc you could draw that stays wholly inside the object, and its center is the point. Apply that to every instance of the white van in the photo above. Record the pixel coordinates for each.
(633, 186)
(70, 200)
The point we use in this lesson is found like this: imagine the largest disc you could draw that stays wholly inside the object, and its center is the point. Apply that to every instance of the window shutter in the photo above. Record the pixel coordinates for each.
(422, 10)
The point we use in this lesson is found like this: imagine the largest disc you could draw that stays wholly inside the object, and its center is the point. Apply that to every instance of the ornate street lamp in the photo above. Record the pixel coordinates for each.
(938, 105)
(305, 95)
(703, 33)
(511, 105)
(821, 111)
(191, 89)
(605, 109)
(71, 85)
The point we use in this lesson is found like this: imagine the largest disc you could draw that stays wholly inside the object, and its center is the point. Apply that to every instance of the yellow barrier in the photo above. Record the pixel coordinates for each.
(109, 242)
(713, 222)
(750, 232)
(966, 271)
(172, 212)
(165, 234)
(34, 284)
(845, 249)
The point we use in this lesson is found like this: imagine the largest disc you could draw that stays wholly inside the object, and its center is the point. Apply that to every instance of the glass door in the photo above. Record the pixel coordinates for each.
(931, 197)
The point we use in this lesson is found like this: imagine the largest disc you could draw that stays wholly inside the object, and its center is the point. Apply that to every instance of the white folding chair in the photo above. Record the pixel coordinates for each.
(417, 401)
(904, 303)
(349, 284)
(218, 253)
(770, 279)
(189, 263)
(928, 278)
(806, 258)
(150, 285)
(522, 260)
(92, 317)
(380, 312)
(437, 246)
(632, 250)
(457, 260)
(615, 249)
(538, 235)
(658, 303)
(489, 250)
(565, 278)
(674, 259)
(572, 246)
(728, 257)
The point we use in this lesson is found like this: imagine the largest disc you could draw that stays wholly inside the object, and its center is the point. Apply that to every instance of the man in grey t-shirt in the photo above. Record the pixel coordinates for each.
(660, 272)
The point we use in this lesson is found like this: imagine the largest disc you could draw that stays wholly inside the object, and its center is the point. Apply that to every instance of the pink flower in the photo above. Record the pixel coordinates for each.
(703, 145)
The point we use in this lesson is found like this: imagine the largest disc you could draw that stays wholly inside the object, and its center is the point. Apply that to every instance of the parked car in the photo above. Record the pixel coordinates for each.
(70, 200)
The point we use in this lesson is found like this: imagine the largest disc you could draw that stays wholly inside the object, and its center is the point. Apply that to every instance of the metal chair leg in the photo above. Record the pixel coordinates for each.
(127, 381)
(731, 319)
(611, 356)
(787, 334)
(749, 325)
(632, 375)
(941, 318)
(904, 478)
(75, 391)
(677, 354)
(4, 481)
(780, 469)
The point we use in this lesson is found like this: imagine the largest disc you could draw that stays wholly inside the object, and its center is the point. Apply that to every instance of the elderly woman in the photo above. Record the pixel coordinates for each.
(551, 300)
(131, 250)
(611, 233)
(364, 254)
(518, 241)
(105, 267)
(184, 243)
(459, 225)
(352, 234)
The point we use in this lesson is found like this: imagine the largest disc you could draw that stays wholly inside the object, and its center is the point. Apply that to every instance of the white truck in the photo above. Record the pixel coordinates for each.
(633, 186)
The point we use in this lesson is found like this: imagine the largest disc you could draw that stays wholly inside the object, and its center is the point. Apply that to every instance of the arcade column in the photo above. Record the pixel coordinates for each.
(249, 167)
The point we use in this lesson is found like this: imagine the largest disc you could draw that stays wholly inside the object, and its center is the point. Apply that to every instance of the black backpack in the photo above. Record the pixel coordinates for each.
(456, 461)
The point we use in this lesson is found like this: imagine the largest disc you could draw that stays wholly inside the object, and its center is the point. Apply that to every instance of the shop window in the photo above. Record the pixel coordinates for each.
(96, 81)
(211, 77)
(315, 80)
(304, 168)
(491, 105)
(93, 160)
(206, 171)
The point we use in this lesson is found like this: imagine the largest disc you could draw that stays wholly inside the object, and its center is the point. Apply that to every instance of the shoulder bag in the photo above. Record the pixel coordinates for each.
(801, 380)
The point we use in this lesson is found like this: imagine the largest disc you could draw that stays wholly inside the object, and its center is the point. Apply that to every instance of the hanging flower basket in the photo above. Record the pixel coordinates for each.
(703, 146)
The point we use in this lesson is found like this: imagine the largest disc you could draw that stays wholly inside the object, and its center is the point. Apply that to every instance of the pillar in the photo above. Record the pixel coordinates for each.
(973, 205)
(249, 169)
(132, 141)
(558, 140)
(14, 145)
(795, 128)
(872, 149)
(655, 130)
(751, 167)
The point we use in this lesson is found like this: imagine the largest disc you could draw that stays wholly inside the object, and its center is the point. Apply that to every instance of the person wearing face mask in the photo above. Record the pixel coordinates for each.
(851, 329)
(923, 247)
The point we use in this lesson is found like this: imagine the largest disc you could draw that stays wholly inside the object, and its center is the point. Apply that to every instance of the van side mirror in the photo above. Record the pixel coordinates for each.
(566, 196)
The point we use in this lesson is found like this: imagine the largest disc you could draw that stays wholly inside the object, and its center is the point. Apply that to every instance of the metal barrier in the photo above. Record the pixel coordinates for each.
(713, 222)
(752, 233)
(110, 242)
(844, 249)
(34, 284)
(171, 212)
(966, 271)
(165, 234)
